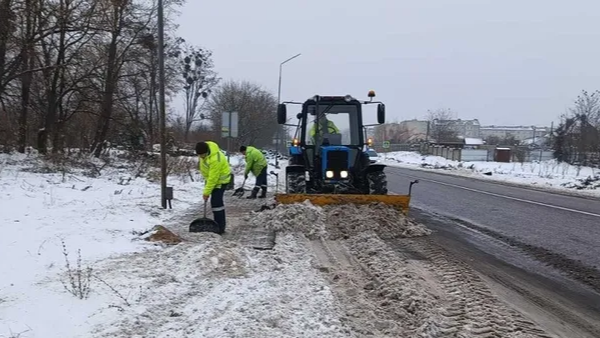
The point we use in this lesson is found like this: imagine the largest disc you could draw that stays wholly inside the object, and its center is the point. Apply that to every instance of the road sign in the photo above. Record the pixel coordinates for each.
(386, 144)
(229, 124)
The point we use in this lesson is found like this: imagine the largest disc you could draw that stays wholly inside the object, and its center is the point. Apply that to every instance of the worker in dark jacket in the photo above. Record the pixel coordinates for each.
(257, 164)
(217, 174)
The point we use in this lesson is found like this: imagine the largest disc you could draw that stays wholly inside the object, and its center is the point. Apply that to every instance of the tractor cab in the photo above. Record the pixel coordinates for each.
(328, 149)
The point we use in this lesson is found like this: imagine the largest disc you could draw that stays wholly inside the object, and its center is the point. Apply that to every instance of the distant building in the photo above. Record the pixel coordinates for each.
(537, 142)
(473, 141)
(462, 128)
(519, 133)
(415, 130)
(409, 131)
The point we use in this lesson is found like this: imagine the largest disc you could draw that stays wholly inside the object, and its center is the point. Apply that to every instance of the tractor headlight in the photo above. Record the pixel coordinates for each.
(329, 174)
(343, 174)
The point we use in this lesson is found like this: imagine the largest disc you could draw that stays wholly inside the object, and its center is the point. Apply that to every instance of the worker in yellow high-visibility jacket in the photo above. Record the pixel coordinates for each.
(217, 173)
(257, 164)
(331, 129)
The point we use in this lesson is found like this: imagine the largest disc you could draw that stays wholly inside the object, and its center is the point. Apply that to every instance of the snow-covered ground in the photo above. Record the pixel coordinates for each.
(73, 264)
(547, 174)
(331, 274)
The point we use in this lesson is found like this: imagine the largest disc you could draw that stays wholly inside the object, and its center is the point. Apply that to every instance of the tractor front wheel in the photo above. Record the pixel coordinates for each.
(295, 183)
(377, 183)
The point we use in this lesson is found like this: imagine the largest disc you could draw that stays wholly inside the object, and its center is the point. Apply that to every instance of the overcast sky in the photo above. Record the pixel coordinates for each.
(503, 62)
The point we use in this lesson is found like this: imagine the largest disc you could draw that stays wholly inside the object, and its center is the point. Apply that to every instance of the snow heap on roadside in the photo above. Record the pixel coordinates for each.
(338, 221)
(590, 182)
(348, 220)
(216, 288)
(302, 217)
(549, 174)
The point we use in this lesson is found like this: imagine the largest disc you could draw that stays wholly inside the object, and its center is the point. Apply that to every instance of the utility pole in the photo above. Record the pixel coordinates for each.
(385, 151)
(161, 105)
(551, 135)
(278, 136)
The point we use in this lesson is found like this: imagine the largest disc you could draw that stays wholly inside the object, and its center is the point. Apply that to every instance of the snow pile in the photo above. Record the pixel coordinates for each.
(338, 221)
(590, 182)
(301, 217)
(344, 221)
(216, 289)
(545, 174)
(412, 158)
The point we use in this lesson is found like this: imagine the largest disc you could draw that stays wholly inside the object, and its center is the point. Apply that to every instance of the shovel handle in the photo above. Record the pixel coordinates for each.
(204, 209)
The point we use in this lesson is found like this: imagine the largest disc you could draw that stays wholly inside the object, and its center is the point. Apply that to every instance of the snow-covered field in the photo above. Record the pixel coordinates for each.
(546, 174)
(60, 222)
(74, 263)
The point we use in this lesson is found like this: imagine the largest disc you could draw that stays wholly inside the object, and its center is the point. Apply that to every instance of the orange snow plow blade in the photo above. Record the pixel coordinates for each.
(399, 202)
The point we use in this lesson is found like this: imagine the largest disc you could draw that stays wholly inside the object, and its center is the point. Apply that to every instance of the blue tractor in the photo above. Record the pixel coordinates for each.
(328, 153)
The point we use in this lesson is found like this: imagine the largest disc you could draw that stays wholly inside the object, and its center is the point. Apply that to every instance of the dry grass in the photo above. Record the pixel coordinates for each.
(78, 278)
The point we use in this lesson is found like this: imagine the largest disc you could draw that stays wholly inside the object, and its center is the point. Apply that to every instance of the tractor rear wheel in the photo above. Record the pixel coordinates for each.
(295, 183)
(377, 183)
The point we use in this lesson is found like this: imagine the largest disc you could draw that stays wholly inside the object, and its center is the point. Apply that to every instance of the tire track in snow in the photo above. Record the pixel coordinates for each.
(471, 310)
(351, 280)
(412, 288)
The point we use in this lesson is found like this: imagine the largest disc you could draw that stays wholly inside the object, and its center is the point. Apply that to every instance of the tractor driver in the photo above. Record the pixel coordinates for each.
(331, 128)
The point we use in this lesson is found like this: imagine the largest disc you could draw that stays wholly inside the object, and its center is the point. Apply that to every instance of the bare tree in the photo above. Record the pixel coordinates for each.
(138, 90)
(122, 34)
(77, 73)
(588, 106)
(256, 107)
(199, 78)
(394, 132)
(64, 68)
(441, 125)
(577, 138)
(10, 25)
(27, 67)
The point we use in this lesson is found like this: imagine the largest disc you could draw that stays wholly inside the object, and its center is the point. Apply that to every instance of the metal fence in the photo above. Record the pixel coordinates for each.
(484, 153)
(397, 147)
(538, 155)
(472, 155)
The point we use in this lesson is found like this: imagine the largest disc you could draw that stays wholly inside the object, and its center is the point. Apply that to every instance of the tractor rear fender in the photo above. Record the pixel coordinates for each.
(295, 168)
(374, 167)
(296, 160)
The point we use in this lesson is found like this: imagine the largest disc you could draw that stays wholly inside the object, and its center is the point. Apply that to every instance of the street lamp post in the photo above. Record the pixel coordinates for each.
(278, 137)
(161, 106)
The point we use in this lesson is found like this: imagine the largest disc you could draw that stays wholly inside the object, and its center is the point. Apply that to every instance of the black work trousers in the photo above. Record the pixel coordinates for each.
(261, 179)
(218, 207)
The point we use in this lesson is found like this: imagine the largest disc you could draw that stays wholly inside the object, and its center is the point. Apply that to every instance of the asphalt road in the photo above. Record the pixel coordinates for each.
(563, 225)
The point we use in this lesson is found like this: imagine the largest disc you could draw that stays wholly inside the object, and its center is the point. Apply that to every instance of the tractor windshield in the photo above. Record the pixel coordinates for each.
(338, 124)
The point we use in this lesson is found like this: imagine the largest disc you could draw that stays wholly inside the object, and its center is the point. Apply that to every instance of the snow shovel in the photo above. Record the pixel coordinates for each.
(204, 224)
(240, 191)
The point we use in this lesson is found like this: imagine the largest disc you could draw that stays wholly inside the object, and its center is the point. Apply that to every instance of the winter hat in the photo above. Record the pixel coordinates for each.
(201, 148)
